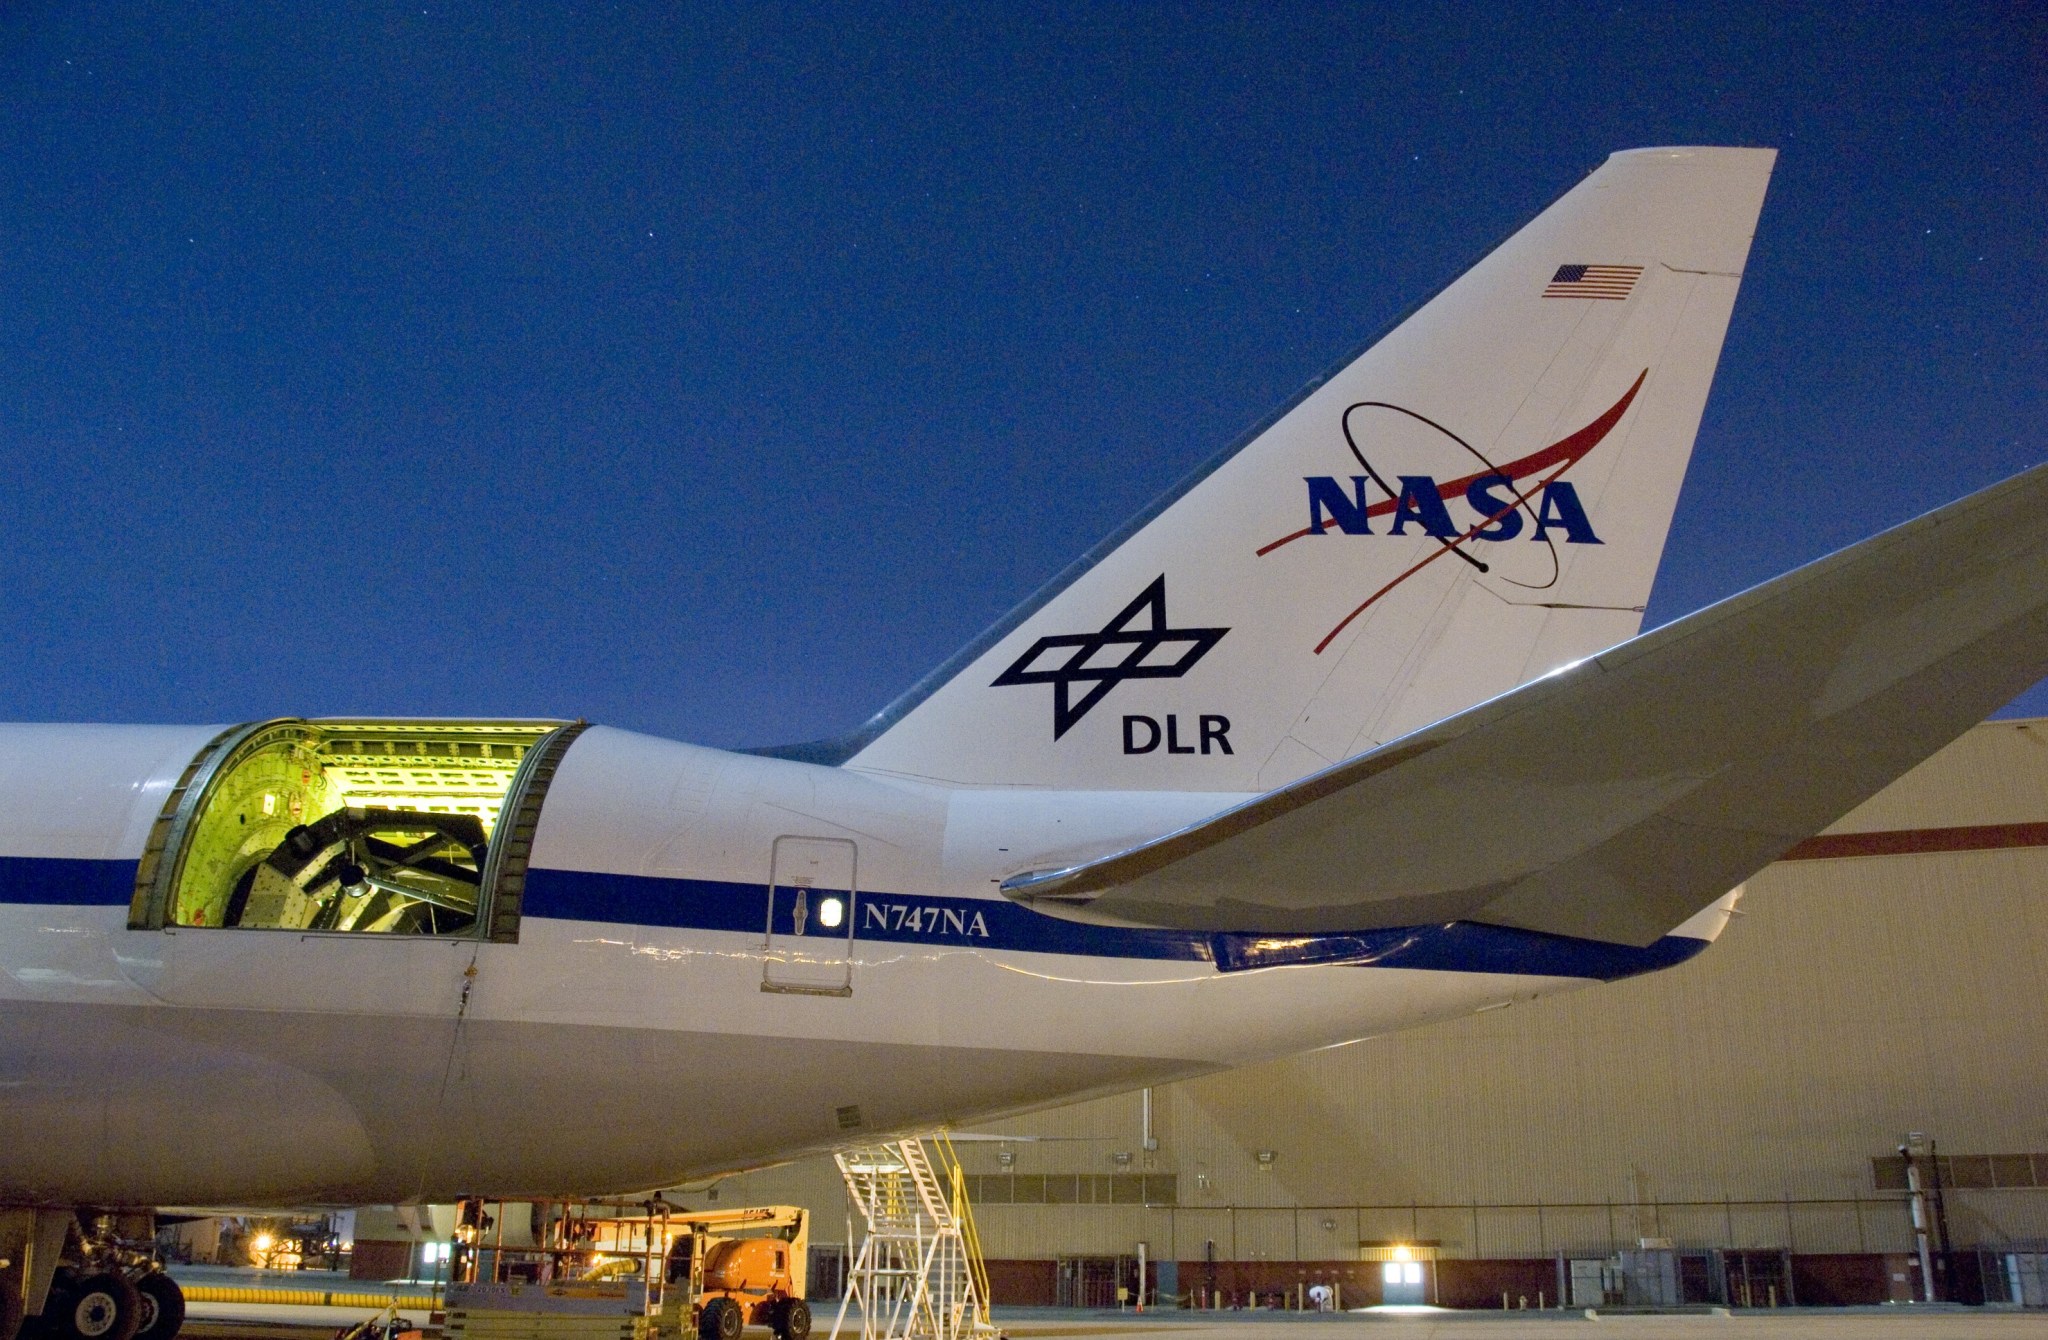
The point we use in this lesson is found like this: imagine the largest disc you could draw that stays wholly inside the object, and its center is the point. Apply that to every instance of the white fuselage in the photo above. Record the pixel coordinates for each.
(625, 1041)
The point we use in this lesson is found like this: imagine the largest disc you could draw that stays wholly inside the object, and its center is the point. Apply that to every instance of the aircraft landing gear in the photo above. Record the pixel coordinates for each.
(163, 1307)
(99, 1306)
(84, 1275)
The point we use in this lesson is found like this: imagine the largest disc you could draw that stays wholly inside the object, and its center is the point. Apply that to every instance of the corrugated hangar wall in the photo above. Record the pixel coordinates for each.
(1892, 981)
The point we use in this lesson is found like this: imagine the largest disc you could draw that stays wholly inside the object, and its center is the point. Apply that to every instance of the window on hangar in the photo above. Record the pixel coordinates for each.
(376, 827)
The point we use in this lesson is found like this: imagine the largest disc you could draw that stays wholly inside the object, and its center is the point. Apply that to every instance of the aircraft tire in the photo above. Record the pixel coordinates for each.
(163, 1307)
(720, 1320)
(12, 1310)
(793, 1320)
(101, 1306)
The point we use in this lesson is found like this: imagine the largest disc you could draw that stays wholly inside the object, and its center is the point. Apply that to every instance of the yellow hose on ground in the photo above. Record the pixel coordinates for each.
(207, 1293)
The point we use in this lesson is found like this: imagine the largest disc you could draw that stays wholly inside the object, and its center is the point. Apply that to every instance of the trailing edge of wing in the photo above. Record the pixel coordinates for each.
(1617, 797)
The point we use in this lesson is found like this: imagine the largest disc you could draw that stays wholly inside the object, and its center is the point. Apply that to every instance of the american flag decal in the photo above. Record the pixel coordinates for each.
(1593, 281)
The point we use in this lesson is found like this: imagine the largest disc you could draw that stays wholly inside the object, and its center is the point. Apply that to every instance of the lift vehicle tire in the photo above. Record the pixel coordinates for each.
(793, 1320)
(163, 1307)
(720, 1320)
(12, 1309)
(100, 1306)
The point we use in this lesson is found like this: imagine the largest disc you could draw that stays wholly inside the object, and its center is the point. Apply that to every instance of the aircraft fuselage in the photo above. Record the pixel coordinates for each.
(622, 1039)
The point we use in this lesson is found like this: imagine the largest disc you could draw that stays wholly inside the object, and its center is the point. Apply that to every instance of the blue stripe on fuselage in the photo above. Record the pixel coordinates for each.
(901, 918)
(65, 882)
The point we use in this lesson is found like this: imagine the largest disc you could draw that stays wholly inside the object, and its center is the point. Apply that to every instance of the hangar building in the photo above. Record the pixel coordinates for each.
(1727, 1130)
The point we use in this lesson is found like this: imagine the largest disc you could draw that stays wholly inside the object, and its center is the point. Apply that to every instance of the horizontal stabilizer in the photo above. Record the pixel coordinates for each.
(1617, 797)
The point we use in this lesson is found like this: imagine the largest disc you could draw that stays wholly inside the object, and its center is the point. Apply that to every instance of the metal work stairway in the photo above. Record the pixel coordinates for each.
(919, 1274)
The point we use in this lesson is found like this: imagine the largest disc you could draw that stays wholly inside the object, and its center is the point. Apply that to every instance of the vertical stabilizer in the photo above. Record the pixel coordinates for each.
(1478, 498)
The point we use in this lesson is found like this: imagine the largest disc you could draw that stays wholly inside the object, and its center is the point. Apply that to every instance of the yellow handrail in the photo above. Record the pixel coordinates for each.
(963, 1213)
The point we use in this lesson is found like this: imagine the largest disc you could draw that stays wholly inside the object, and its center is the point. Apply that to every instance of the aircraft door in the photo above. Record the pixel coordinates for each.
(813, 889)
(346, 867)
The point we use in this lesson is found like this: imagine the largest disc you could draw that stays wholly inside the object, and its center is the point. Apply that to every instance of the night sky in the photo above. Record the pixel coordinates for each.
(717, 370)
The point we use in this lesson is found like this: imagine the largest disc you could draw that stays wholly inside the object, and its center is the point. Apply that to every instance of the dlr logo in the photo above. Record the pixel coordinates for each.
(1142, 735)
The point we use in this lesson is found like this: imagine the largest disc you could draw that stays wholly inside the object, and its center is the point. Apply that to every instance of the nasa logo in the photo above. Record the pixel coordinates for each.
(1505, 501)
(1420, 502)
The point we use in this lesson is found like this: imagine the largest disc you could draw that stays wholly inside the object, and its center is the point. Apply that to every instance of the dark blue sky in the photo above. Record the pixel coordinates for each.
(715, 371)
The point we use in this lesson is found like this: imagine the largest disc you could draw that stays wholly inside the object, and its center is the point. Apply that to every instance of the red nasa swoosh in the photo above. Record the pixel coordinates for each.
(1563, 454)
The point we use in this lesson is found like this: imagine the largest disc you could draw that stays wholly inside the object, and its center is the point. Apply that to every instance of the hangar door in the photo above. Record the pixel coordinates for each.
(813, 884)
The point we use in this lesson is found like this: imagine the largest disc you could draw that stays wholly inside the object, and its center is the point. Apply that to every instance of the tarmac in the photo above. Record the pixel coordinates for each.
(284, 1322)
(1889, 1323)
(241, 1304)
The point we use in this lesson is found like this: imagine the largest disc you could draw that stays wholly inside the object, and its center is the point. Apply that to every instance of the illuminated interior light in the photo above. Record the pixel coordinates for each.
(830, 913)
(305, 773)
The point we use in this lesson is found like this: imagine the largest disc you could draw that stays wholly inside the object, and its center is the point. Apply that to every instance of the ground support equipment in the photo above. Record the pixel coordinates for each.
(919, 1273)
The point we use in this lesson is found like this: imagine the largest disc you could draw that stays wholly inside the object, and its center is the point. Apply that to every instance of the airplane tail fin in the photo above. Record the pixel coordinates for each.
(1478, 498)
